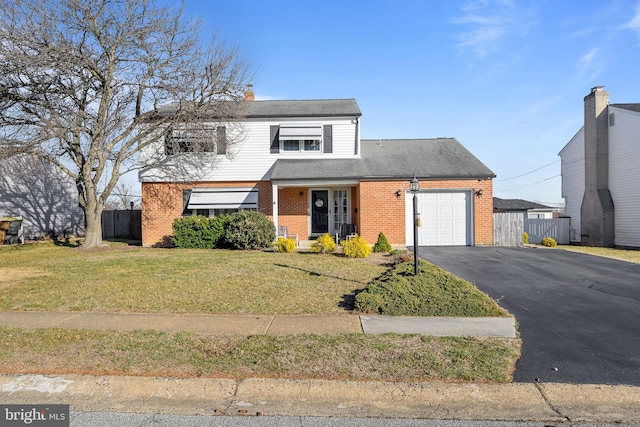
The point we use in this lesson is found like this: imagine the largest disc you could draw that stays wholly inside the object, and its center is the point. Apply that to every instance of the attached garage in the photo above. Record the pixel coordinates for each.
(445, 218)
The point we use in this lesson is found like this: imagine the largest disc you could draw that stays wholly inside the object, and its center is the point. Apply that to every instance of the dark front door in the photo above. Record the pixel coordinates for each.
(319, 211)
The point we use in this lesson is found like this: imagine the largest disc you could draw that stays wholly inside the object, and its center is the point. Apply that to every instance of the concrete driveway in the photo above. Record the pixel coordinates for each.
(579, 315)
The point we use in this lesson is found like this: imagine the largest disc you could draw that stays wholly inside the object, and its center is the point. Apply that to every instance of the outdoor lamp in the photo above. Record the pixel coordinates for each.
(414, 187)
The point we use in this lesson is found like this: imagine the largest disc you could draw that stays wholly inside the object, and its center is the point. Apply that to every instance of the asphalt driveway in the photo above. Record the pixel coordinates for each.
(579, 315)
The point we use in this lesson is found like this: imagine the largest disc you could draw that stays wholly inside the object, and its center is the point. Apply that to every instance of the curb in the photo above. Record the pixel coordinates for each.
(282, 397)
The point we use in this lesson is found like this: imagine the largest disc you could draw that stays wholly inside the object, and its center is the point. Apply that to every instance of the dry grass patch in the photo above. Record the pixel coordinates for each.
(619, 254)
(12, 276)
(347, 356)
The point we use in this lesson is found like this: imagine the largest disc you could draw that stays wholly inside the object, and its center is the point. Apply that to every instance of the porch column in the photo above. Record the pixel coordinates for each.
(274, 195)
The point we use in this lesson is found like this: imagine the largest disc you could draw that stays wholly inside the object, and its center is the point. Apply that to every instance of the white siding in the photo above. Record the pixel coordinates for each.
(624, 175)
(249, 159)
(572, 166)
(41, 194)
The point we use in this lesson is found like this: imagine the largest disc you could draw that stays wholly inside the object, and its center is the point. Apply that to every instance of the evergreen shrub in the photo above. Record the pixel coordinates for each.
(248, 230)
(382, 245)
(356, 247)
(323, 244)
(198, 232)
(549, 242)
(285, 244)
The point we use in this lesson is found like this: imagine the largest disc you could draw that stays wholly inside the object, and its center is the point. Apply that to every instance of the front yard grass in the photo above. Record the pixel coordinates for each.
(44, 277)
(120, 278)
(619, 254)
(183, 355)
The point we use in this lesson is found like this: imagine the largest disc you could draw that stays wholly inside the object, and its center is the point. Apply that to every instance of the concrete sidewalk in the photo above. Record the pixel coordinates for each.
(281, 397)
(265, 324)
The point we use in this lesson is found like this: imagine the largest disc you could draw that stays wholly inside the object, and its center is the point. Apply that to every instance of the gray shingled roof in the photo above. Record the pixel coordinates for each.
(516, 205)
(304, 108)
(632, 107)
(281, 109)
(441, 158)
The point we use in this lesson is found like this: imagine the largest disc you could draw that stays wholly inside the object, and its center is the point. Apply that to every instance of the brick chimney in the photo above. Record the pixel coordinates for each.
(248, 94)
(596, 212)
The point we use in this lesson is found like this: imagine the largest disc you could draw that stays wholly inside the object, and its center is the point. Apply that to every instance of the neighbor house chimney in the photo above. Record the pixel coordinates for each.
(596, 213)
(248, 94)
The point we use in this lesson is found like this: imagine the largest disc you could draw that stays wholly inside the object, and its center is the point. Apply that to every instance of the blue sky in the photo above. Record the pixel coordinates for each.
(506, 78)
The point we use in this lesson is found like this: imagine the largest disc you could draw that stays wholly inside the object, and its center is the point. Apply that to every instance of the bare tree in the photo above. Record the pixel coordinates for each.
(122, 196)
(87, 84)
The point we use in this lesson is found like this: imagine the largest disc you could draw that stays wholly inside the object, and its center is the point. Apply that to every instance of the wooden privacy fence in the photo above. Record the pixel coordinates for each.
(556, 228)
(122, 224)
(508, 229)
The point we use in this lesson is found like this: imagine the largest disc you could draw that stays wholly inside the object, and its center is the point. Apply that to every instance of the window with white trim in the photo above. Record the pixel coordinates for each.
(196, 139)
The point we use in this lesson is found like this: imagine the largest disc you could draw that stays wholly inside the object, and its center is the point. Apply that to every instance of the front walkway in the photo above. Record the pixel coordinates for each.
(264, 324)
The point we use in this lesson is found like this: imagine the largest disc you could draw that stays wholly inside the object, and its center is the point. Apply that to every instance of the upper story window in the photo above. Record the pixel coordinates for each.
(196, 139)
(302, 138)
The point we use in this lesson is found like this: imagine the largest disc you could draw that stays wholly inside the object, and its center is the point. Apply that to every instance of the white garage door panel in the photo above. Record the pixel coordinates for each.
(445, 218)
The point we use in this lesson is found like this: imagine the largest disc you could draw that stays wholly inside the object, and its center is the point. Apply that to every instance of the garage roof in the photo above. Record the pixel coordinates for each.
(438, 158)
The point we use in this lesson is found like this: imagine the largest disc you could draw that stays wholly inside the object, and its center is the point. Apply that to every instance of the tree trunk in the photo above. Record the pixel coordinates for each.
(93, 226)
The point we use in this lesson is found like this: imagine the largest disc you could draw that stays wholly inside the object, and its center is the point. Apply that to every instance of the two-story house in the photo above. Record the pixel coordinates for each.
(600, 174)
(303, 163)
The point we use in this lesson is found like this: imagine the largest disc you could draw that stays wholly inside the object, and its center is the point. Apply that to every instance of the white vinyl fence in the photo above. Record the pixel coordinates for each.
(557, 228)
(508, 229)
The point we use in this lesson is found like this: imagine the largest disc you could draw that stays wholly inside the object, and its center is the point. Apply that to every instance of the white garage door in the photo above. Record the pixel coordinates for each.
(445, 218)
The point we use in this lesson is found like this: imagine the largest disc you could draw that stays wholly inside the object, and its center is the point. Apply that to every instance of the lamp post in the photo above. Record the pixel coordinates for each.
(414, 187)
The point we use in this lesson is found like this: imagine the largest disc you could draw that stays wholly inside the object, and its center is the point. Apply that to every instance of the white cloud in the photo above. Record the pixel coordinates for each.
(591, 64)
(489, 22)
(634, 23)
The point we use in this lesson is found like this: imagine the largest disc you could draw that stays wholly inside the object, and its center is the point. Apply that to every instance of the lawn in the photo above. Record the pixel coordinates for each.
(619, 254)
(122, 278)
(386, 357)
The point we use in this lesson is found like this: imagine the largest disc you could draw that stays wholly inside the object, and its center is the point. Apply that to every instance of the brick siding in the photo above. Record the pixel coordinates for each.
(374, 208)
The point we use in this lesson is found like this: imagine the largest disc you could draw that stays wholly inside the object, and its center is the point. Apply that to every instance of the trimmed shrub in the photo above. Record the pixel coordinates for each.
(549, 242)
(285, 244)
(382, 245)
(434, 292)
(525, 237)
(323, 244)
(356, 247)
(198, 232)
(249, 230)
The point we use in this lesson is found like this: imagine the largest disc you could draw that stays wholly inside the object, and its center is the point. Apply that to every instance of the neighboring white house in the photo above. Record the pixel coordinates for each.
(42, 195)
(600, 174)
(531, 210)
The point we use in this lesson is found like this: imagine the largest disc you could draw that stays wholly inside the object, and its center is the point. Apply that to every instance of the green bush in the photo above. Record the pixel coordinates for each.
(525, 237)
(249, 230)
(285, 244)
(382, 245)
(433, 292)
(198, 232)
(323, 244)
(549, 242)
(356, 247)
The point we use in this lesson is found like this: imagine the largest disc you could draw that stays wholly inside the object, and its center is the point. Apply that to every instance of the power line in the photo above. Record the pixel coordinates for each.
(534, 183)
(527, 173)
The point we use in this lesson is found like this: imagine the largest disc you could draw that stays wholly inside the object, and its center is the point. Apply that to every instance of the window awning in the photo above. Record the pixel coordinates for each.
(298, 131)
(223, 198)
